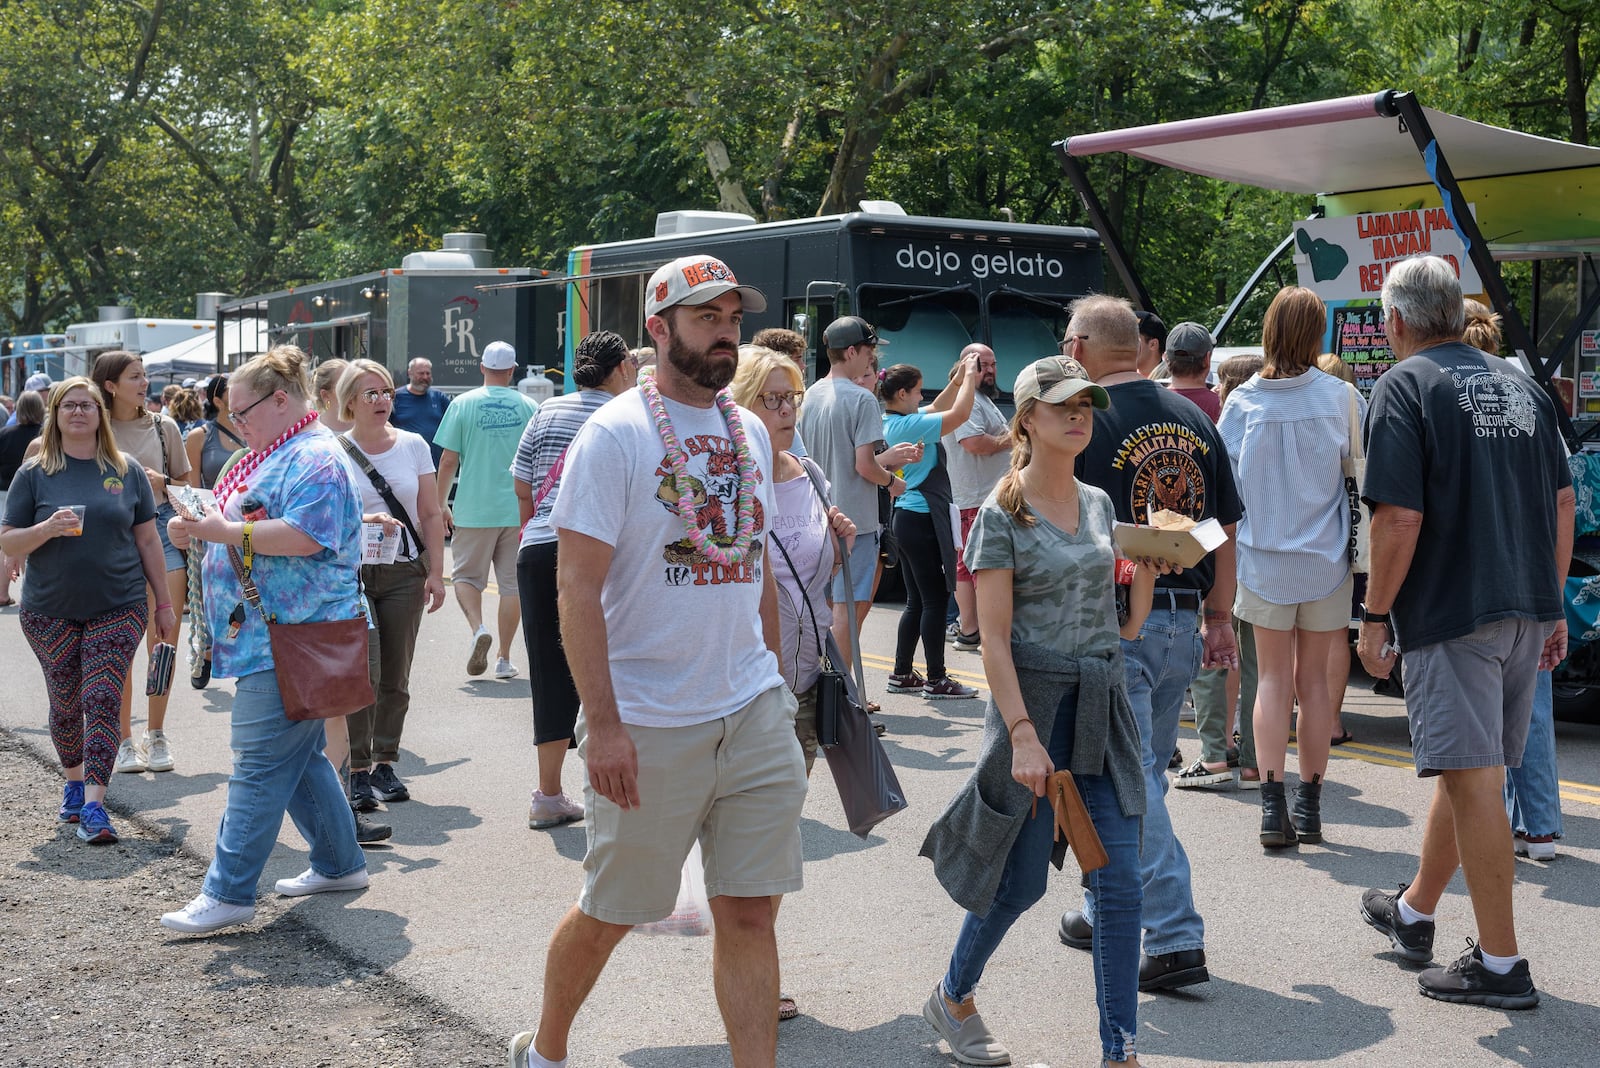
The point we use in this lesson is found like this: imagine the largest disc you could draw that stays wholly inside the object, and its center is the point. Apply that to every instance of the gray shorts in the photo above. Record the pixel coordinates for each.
(1469, 699)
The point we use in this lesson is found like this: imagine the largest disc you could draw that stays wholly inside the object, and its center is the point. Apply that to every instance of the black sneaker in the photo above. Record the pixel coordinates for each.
(1381, 910)
(368, 832)
(387, 785)
(361, 796)
(1176, 760)
(200, 672)
(1468, 981)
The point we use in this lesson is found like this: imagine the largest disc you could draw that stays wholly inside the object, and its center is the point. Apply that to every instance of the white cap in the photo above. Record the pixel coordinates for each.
(696, 280)
(499, 356)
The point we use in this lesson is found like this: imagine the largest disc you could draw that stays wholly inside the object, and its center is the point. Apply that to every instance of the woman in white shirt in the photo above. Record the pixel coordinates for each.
(386, 456)
(1287, 431)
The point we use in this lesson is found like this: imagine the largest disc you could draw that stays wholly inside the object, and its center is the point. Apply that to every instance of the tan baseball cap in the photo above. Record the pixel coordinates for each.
(1054, 379)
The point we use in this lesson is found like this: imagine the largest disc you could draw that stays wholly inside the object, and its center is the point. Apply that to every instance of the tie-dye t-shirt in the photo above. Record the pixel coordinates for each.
(308, 484)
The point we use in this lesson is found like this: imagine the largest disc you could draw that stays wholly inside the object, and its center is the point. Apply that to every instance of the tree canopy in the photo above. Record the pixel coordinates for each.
(154, 150)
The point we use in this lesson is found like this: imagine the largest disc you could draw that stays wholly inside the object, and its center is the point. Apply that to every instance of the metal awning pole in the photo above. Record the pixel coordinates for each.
(1109, 235)
(1405, 107)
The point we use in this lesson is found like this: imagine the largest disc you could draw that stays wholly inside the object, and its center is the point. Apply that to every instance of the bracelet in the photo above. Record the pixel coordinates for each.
(159, 607)
(1010, 734)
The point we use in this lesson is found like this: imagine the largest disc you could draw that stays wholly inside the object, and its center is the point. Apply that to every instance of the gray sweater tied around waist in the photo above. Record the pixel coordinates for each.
(969, 843)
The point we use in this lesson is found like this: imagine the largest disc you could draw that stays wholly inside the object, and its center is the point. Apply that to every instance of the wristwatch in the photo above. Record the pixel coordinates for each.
(1369, 616)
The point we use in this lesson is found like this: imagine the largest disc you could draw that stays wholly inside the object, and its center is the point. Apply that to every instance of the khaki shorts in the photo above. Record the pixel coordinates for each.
(737, 784)
(474, 549)
(1330, 613)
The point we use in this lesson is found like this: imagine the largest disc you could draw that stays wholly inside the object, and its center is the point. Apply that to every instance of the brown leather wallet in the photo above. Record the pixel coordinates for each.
(1073, 822)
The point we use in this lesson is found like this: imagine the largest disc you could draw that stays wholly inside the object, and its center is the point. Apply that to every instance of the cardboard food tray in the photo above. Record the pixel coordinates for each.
(1185, 548)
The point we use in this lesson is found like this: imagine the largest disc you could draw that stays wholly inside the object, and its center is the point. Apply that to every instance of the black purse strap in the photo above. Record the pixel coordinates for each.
(822, 654)
(385, 491)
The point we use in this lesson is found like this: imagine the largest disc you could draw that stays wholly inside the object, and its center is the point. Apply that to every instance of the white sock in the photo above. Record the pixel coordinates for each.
(1411, 915)
(536, 1061)
(1499, 965)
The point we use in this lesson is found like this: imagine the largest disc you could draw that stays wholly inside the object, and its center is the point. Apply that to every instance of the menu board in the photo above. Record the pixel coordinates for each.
(1358, 339)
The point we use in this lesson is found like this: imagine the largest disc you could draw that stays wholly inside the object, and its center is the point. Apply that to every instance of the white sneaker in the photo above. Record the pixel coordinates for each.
(504, 669)
(206, 914)
(478, 660)
(130, 758)
(309, 882)
(159, 753)
(547, 811)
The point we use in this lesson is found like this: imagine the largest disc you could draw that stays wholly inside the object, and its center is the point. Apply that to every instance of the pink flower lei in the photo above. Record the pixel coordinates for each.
(745, 527)
(252, 460)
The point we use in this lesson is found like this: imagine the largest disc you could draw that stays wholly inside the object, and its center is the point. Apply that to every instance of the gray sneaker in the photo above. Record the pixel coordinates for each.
(129, 758)
(970, 1040)
(158, 753)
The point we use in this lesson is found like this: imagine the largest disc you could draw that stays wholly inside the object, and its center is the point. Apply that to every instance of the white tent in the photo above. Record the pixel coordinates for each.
(196, 357)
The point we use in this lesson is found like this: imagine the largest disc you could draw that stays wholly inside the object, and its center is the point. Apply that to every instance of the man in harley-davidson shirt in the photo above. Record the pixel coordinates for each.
(1155, 450)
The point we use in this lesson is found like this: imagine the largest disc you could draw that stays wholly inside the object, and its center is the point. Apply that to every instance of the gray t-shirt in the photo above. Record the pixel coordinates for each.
(837, 418)
(1062, 585)
(1473, 444)
(99, 571)
(973, 477)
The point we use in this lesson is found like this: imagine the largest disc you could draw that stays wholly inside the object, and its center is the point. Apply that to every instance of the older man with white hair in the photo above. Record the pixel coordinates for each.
(1466, 475)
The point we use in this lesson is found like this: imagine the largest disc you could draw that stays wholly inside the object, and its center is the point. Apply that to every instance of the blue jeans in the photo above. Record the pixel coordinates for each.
(1160, 664)
(277, 765)
(1533, 794)
(1116, 937)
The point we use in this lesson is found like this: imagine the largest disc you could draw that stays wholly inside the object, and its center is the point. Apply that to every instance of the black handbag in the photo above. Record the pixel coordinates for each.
(833, 693)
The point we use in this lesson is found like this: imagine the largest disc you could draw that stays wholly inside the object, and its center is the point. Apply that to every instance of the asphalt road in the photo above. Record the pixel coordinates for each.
(463, 899)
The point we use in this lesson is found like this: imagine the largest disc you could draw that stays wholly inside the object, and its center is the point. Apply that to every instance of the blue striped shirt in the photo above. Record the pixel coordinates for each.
(544, 441)
(1287, 439)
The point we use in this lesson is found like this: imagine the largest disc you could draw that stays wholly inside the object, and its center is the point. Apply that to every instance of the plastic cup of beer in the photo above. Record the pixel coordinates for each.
(77, 510)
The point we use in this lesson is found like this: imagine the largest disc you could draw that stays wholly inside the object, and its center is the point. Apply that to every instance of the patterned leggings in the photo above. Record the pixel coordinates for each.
(85, 664)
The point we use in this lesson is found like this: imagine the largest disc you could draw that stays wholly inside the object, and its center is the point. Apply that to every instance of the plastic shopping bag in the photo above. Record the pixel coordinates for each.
(692, 916)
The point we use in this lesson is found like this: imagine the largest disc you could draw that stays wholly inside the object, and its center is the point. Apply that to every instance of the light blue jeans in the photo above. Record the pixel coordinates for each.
(1533, 792)
(1022, 884)
(277, 765)
(1160, 664)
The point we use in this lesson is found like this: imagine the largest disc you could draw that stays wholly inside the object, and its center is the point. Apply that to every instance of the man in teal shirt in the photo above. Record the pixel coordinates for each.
(478, 437)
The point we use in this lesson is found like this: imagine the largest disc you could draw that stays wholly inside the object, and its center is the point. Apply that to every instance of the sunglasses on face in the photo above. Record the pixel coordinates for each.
(372, 396)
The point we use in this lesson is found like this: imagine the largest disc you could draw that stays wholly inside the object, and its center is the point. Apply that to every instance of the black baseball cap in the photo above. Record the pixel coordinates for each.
(850, 330)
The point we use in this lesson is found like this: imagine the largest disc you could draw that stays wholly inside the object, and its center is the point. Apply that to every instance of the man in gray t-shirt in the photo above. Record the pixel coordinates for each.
(977, 455)
(843, 427)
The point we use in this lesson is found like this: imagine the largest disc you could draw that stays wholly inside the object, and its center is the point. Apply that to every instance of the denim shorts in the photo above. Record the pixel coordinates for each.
(176, 560)
(863, 569)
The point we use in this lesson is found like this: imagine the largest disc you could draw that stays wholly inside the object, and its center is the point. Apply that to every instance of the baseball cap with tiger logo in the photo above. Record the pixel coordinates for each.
(695, 280)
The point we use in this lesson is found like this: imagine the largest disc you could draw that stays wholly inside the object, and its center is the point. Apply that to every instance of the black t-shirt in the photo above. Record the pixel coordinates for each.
(88, 575)
(14, 442)
(1473, 444)
(1153, 449)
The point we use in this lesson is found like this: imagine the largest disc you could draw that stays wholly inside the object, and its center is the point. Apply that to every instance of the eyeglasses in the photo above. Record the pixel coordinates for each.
(775, 400)
(241, 417)
(372, 396)
(85, 407)
(1066, 342)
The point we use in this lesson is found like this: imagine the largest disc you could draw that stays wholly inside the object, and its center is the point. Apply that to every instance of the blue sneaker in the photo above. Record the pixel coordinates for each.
(94, 826)
(71, 802)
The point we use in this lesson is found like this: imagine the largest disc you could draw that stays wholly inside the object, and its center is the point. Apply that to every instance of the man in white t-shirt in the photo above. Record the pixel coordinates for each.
(670, 622)
(977, 456)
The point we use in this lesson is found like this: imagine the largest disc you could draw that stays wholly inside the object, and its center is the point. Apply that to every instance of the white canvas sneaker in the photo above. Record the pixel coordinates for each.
(130, 758)
(478, 659)
(158, 752)
(309, 882)
(504, 669)
(206, 914)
